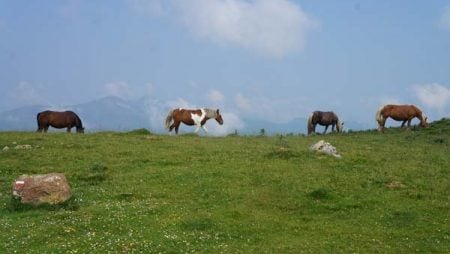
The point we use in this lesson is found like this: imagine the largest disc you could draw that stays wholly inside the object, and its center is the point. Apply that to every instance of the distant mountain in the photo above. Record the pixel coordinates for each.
(116, 114)
(20, 119)
(109, 113)
(252, 126)
(112, 113)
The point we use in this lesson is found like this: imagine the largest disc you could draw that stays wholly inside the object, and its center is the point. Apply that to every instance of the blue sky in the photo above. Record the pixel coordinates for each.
(264, 59)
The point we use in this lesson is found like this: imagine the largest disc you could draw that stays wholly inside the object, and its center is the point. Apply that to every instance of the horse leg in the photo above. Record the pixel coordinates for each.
(68, 129)
(332, 128)
(403, 124)
(46, 128)
(197, 128)
(409, 124)
(177, 125)
(204, 128)
(312, 129)
(325, 131)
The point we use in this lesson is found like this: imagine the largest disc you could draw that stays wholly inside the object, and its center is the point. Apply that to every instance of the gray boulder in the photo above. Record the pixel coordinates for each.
(42, 189)
(325, 147)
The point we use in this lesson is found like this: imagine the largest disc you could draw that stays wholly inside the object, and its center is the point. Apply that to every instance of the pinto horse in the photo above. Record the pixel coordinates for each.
(324, 119)
(59, 120)
(403, 113)
(191, 117)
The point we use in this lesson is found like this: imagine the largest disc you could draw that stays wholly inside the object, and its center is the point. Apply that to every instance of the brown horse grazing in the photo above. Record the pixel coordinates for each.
(403, 113)
(324, 119)
(67, 119)
(196, 117)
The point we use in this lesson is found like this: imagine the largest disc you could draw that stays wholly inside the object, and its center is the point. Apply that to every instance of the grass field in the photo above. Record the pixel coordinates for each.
(141, 193)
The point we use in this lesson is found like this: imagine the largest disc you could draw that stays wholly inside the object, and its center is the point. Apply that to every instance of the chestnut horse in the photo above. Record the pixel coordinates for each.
(403, 113)
(196, 117)
(67, 119)
(324, 119)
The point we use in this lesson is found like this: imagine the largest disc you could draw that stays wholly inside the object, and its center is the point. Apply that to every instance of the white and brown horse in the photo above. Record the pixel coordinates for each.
(403, 113)
(324, 119)
(191, 117)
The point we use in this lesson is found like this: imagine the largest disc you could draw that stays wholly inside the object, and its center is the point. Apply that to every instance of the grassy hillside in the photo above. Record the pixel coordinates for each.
(134, 192)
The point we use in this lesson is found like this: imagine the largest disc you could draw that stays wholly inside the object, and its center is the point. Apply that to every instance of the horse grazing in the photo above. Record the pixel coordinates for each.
(67, 119)
(324, 119)
(196, 117)
(403, 113)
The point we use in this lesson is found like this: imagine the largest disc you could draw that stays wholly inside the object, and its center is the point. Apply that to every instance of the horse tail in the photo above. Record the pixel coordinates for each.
(169, 118)
(310, 124)
(378, 116)
(38, 122)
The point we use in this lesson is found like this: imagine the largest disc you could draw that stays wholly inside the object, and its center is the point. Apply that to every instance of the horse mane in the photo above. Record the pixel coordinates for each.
(338, 124)
(421, 115)
(79, 124)
(210, 113)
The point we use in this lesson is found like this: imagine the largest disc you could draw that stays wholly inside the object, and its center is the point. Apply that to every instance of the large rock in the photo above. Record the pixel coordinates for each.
(325, 147)
(42, 189)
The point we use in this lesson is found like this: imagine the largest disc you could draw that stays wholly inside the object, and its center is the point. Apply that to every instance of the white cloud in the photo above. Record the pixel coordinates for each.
(272, 28)
(120, 89)
(444, 20)
(433, 95)
(216, 96)
(26, 94)
(268, 27)
(231, 122)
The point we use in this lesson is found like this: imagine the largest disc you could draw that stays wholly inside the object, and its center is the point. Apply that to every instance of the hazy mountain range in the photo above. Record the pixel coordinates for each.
(116, 114)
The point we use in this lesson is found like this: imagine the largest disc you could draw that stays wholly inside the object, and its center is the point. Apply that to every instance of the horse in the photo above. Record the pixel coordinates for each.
(324, 119)
(403, 113)
(67, 119)
(191, 117)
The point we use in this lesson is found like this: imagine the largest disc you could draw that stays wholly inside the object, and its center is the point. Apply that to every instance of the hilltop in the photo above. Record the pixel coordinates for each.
(138, 192)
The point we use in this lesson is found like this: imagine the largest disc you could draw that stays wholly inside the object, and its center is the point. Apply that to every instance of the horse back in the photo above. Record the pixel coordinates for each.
(58, 119)
(325, 118)
(185, 115)
(401, 112)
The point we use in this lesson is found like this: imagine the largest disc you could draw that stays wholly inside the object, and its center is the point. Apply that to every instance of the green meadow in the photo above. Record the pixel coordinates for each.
(142, 193)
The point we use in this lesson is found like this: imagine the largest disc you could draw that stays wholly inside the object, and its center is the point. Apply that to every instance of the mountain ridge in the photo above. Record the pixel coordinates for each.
(117, 114)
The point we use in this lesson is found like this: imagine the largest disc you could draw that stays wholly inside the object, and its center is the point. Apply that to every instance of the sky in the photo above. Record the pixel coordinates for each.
(273, 60)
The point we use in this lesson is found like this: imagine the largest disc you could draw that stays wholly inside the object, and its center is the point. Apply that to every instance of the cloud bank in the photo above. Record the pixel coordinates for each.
(267, 27)
(433, 95)
(26, 94)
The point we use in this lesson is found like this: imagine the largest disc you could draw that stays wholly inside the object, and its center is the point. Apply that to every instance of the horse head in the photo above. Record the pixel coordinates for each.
(423, 121)
(218, 117)
(339, 126)
(80, 130)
